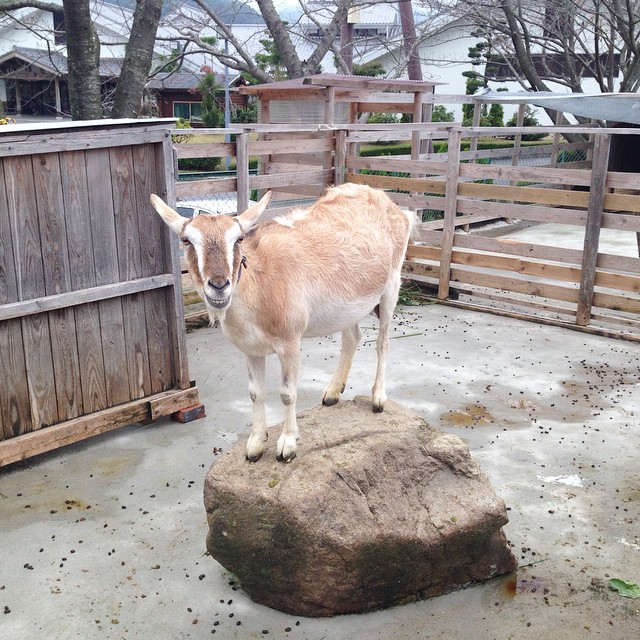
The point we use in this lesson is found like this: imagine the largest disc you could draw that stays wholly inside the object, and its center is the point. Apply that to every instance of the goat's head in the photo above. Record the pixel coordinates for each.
(212, 247)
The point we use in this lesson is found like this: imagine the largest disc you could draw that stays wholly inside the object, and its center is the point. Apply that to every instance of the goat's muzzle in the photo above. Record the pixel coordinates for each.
(217, 295)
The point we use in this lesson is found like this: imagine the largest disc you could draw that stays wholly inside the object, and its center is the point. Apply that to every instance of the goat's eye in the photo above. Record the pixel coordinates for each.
(186, 242)
(240, 239)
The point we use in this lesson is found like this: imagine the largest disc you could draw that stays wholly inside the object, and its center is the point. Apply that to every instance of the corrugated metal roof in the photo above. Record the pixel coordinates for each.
(609, 107)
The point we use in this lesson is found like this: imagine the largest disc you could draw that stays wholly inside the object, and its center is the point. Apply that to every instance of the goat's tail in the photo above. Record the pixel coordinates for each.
(414, 224)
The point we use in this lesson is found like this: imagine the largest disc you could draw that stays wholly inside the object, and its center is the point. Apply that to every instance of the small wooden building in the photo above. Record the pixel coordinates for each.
(335, 99)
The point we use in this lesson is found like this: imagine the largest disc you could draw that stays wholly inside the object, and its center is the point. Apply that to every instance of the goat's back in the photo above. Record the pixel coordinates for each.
(327, 265)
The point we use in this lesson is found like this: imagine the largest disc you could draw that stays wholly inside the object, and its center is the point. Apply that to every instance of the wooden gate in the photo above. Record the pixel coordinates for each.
(91, 320)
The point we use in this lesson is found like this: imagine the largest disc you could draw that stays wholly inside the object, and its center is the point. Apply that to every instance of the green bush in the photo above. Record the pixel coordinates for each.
(198, 164)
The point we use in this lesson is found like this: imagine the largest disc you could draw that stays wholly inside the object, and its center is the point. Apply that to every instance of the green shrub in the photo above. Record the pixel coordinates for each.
(198, 164)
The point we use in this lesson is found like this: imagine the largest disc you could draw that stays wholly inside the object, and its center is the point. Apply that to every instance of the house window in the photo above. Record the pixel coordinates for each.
(188, 110)
(59, 28)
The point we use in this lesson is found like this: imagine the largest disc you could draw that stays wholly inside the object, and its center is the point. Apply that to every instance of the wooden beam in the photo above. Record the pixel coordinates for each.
(50, 438)
(83, 296)
(601, 149)
(450, 211)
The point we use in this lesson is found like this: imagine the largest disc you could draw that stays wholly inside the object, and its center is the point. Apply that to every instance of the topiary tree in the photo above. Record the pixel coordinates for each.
(212, 115)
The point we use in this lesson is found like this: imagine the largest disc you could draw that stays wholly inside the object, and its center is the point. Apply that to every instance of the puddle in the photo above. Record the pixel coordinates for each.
(469, 416)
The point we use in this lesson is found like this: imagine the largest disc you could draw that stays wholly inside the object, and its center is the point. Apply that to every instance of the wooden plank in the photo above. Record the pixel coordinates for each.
(493, 281)
(450, 208)
(323, 176)
(55, 254)
(65, 433)
(523, 267)
(151, 229)
(83, 296)
(541, 320)
(535, 251)
(523, 211)
(592, 230)
(387, 163)
(174, 299)
(547, 175)
(75, 192)
(404, 184)
(19, 180)
(204, 187)
(104, 249)
(205, 150)
(15, 412)
(297, 160)
(460, 221)
(50, 142)
(311, 146)
(129, 263)
(555, 197)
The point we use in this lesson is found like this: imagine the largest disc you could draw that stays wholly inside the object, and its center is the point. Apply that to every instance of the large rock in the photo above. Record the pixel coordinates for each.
(376, 509)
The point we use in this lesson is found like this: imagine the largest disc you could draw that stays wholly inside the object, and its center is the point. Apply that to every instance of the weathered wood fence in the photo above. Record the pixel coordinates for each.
(91, 320)
(449, 175)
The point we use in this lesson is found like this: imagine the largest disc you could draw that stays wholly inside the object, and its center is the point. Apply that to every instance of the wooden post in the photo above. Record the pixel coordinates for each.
(592, 228)
(517, 142)
(450, 210)
(340, 157)
(477, 112)
(556, 139)
(329, 106)
(242, 171)
(417, 117)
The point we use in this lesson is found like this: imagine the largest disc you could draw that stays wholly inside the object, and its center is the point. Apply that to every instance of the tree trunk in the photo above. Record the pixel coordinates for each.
(83, 60)
(137, 61)
(414, 68)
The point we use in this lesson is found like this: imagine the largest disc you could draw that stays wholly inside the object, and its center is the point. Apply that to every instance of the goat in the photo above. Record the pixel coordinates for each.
(310, 273)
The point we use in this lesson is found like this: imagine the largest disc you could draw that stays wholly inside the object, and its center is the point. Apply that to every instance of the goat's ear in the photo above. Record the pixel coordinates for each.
(251, 215)
(169, 215)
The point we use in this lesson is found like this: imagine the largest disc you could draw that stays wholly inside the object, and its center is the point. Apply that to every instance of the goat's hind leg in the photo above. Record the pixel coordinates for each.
(258, 437)
(351, 337)
(387, 306)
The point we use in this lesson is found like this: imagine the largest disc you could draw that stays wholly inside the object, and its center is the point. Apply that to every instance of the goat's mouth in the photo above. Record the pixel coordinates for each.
(219, 304)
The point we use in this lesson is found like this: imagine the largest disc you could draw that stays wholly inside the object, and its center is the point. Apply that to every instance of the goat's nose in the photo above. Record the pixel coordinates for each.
(218, 284)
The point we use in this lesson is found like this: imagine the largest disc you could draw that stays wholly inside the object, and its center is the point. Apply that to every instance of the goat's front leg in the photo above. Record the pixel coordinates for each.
(289, 355)
(258, 437)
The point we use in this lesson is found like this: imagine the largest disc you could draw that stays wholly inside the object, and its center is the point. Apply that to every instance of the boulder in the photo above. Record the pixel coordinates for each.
(375, 510)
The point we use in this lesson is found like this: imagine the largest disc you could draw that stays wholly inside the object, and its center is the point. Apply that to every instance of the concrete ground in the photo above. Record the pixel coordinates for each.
(106, 539)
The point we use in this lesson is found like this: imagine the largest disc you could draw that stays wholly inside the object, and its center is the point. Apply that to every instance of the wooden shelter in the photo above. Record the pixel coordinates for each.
(91, 321)
(333, 99)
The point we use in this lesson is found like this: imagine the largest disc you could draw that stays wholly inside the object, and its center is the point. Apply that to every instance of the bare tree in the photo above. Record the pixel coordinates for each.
(558, 41)
(231, 51)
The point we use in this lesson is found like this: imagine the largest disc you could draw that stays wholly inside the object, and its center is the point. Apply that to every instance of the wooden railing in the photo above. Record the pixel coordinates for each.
(448, 178)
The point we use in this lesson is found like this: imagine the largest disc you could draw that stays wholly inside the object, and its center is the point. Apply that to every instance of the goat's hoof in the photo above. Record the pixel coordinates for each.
(289, 458)
(253, 458)
(328, 401)
(378, 408)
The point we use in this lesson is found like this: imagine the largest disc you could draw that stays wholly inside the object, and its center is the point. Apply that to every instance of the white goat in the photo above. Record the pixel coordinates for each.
(310, 273)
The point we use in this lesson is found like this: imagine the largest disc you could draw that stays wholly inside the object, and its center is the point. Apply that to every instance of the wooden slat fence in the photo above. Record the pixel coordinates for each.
(462, 187)
(91, 329)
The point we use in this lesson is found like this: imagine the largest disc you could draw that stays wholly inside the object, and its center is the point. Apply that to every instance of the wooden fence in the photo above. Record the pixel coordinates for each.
(447, 172)
(91, 320)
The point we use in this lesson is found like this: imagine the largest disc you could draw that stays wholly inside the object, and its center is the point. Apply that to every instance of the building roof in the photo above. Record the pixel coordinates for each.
(55, 63)
(609, 107)
(325, 80)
